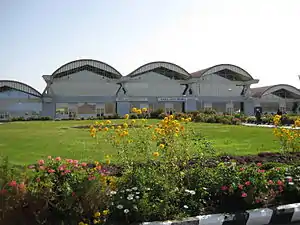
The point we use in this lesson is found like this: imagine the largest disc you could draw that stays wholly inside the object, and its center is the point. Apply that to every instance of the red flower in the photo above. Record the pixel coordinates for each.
(224, 188)
(92, 178)
(258, 200)
(260, 171)
(69, 160)
(278, 169)
(241, 186)
(13, 183)
(244, 195)
(279, 182)
(41, 162)
(242, 169)
(259, 164)
(38, 179)
(83, 164)
(247, 183)
(73, 194)
(75, 161)
(289, 179)
(3, 191)
(58, 158)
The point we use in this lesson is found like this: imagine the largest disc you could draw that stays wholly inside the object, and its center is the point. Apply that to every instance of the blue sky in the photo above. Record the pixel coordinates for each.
(262, 36)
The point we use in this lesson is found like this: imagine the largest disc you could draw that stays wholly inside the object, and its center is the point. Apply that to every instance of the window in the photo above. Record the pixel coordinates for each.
(169, 107)
(208, 106)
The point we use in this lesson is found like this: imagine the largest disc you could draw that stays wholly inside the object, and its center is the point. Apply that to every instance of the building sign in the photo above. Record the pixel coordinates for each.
(131, 99)
(173, 99)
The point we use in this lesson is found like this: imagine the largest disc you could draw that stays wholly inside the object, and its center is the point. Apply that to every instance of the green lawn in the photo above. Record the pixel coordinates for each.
(25, 142)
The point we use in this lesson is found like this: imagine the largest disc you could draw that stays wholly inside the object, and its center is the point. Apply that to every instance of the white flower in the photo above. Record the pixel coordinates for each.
(190, 192)
(134, 188)
(126, 211)
(119, 207)
(135, 207)
(137, 197)
(148, 189)
(113, 192)
(137, 193)
(130, 197)
(128, 190)
(185, 206)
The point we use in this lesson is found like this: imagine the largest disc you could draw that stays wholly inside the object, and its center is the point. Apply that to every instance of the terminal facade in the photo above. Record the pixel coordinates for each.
(90, 88)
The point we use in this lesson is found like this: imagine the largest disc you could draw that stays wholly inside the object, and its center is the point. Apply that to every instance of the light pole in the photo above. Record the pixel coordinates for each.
(231, 105)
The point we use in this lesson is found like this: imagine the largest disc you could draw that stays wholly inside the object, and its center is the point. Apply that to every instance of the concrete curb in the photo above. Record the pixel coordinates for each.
(268, 126)
(285, 214)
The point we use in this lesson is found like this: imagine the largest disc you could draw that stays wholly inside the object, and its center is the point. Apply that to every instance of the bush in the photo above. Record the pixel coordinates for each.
(155, 114)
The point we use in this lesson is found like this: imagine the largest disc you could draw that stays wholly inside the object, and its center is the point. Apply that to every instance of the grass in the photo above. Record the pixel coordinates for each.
(25, 142)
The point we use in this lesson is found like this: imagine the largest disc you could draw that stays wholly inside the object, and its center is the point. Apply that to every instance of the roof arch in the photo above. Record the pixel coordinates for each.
(181, 73)
(220, 67)
(261, 91)
(89, 64)
(20, 87)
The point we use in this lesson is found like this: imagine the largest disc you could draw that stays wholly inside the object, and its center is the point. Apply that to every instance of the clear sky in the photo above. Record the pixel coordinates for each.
(261, 36)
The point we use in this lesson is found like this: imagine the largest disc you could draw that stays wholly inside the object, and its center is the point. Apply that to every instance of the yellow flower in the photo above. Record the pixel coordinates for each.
(119, 127)
(171, 117)
(96, 221)
(134, 110)
(133, 121)
(105, 129)
(161, 145)
(126, 116)
(130, 141)
(81, 223)
(143, 120)
(108, 122)
(155, 154)
(97, 214)
(105, 212)
(144, 109)
(139, 111)
(125, 125)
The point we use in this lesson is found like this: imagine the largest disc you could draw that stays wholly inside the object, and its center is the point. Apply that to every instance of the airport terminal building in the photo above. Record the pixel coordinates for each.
(90, 88)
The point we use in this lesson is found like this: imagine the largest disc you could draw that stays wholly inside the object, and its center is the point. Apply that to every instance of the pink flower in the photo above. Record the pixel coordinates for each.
(83, 164)
(257, 200)
(280, 189)
(69, 160)
(51, 171)
(31, 167)
(41, 162)
(67, 171)
(244, 195)
(92, 178)
(270, 182)
(42, 168)
(242, 169)
(49, 157)
(224, 188)
(58, 158)
(259, 164)
(247, 183)
(62, 167)
(240, 186)
(75, 161)
(289, 179)
(260, 171)
(13, 183)
(278, 169)
(38, 179)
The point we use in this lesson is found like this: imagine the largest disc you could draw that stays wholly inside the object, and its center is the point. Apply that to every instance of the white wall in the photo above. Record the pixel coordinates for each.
(153, 84)
(18, 103)
(83, 83)
(214, 85)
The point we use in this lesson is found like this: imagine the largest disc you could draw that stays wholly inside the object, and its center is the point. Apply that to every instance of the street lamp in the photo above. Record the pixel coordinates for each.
(231, 105)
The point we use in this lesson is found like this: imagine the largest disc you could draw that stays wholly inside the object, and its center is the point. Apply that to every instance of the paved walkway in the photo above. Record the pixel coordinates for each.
(268, 126)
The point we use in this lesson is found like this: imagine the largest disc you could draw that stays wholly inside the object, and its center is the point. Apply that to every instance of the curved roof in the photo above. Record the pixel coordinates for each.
(20, 87)
(219, 67)
(87, 63)
(260, 91)
(182, 73)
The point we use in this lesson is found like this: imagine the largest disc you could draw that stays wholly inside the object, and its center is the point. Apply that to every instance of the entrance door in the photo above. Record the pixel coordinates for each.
(169, 107)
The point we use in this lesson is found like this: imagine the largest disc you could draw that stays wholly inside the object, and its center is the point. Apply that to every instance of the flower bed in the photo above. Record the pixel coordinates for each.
(158, 181)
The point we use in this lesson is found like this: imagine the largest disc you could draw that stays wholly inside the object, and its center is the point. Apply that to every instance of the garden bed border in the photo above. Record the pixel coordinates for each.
(284, 214)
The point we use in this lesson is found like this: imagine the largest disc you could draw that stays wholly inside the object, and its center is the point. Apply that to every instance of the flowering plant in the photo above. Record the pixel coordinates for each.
(289, 138)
